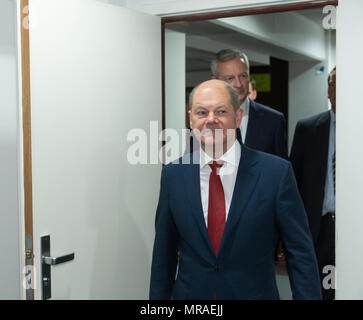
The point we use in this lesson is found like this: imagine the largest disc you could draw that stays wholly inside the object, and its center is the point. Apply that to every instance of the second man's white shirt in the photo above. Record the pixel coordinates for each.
(228, 174)
(245, 106)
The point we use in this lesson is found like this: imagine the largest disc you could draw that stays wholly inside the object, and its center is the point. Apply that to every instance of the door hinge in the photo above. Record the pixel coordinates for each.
(29, 254)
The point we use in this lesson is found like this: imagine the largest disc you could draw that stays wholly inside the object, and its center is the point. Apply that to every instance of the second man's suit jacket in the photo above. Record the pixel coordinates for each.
(309, 157)
(265, 203)
(266, 130)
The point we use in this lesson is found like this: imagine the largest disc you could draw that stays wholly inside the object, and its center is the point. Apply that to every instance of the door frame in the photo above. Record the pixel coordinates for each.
(24, 72)
(27, 227)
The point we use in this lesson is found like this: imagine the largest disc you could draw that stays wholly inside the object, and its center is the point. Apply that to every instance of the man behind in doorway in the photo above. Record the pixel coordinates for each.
(313, 159)
(262, 128)
(222, 207)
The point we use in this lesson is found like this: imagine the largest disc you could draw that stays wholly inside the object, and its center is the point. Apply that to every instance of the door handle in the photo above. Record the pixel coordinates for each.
(53, 261)
(46, 262)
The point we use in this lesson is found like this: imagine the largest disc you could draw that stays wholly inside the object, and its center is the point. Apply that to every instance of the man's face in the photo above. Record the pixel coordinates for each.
(211, 110)
(235, 73)
(332, 91)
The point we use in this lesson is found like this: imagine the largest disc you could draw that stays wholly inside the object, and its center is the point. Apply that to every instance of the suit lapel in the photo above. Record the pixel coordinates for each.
(246, 181)
(252, 126)
(192, 179)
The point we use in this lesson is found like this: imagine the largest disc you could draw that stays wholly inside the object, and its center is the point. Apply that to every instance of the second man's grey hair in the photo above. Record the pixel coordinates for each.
(227, 55)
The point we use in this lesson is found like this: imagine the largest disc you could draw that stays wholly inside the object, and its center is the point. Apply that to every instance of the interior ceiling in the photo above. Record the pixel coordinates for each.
(315, 15)
(198, 59)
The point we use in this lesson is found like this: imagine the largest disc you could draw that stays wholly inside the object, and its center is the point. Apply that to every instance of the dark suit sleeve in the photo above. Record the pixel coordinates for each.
(164, 259)
(296, 238)
(297, 153)
(281, 139)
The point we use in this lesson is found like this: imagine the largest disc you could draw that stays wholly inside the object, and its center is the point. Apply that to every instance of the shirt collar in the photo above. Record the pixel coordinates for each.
(245, 106)
(231, 157)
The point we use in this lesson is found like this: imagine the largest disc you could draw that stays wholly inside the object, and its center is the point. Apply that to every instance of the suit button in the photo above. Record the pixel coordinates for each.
(218, 268)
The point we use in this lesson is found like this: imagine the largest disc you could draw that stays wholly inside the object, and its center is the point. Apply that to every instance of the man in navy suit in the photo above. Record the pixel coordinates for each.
(262, 128)
(222, 207)
(313, 159)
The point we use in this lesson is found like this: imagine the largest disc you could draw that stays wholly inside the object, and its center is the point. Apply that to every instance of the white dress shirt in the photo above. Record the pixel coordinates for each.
(245, 106)
(228, 174)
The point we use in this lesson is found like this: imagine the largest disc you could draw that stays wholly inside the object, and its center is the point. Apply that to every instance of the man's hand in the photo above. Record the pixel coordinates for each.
(279, 255)
(280, 260)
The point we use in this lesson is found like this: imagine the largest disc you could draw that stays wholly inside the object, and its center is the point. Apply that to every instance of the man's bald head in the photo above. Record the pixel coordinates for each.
(215, 84)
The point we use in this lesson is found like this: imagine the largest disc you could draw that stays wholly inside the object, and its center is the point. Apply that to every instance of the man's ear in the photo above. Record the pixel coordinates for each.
(253, 95)
(190, 119)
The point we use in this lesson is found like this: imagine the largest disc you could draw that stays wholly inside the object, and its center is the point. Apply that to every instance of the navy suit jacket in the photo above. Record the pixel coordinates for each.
(266, 130)
(309, 157)
(265, 203)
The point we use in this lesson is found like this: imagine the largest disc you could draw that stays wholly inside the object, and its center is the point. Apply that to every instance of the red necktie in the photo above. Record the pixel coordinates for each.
(216, 207)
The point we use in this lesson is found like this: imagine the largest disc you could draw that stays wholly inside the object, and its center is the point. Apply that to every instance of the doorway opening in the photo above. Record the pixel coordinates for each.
(291, 53)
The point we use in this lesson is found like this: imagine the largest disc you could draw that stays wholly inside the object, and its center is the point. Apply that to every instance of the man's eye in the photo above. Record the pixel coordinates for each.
(201, 113)
(243, 76)
(222, 111)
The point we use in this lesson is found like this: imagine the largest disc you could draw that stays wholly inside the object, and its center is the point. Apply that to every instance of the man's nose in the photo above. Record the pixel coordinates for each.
(211, 117)
(237, 82)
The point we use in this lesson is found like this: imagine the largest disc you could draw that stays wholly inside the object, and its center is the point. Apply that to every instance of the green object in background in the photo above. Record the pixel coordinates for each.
(263, 81)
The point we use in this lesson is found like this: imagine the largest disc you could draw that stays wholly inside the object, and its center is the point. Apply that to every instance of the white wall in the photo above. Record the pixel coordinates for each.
(9, 211)
(175, 83)
(349, 153)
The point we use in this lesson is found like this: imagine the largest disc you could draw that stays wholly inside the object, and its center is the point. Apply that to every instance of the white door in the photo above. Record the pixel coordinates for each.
(95, 74)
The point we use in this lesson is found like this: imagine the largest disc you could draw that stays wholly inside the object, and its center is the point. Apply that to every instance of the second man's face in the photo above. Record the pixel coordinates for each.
(236, 74)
